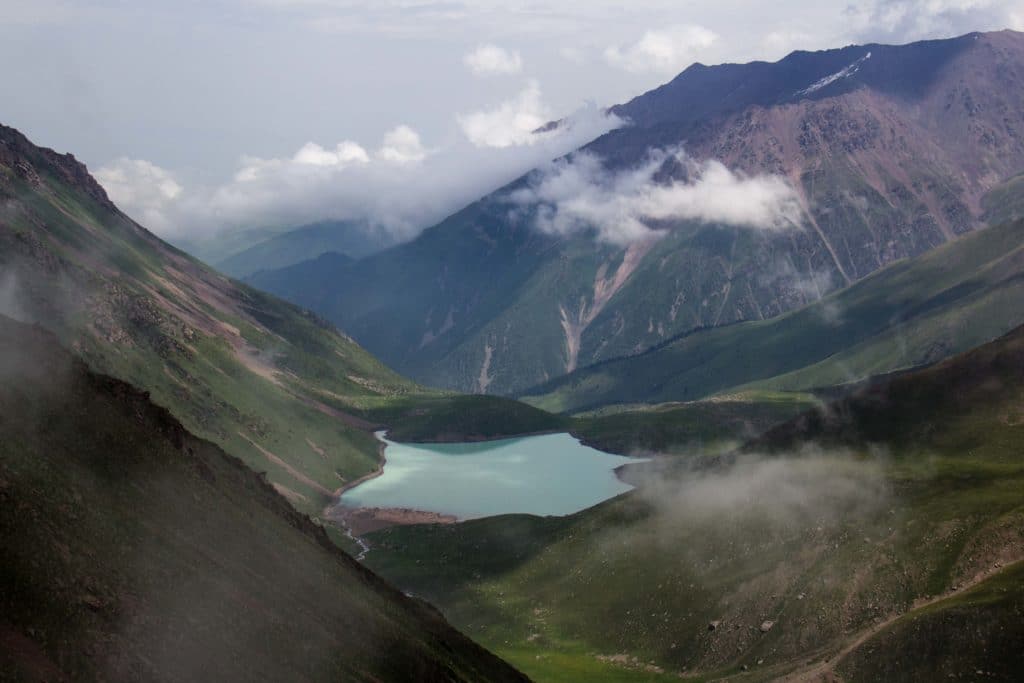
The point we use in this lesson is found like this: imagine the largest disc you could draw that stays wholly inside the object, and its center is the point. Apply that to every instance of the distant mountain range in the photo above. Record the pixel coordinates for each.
(888, 152)
(348, 239)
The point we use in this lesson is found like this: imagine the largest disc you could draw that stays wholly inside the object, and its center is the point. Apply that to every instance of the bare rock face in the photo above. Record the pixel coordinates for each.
(25, 170)
(28, 160)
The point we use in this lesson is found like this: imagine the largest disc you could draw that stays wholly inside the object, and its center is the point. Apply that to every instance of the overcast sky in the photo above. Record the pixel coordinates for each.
(204, 113)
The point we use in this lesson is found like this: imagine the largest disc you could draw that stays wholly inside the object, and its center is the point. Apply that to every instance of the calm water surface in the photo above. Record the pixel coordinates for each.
(552, 474)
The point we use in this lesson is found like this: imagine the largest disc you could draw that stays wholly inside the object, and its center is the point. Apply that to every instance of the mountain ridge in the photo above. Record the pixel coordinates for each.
(879, 177)
(270, 383)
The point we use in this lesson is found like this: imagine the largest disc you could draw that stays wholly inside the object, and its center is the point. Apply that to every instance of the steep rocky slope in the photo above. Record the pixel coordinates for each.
(911, 313)
(266, 381)
(132, 550)
(888, 152)
(271, 384)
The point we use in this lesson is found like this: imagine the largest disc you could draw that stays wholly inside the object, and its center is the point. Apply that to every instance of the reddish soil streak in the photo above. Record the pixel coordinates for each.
(366, 520)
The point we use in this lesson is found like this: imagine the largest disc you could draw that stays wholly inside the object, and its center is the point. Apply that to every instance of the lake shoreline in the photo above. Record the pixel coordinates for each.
(330, 511)
(358, 521)
(382, 460)
(365, 520)
(455, 438)
(538, 483)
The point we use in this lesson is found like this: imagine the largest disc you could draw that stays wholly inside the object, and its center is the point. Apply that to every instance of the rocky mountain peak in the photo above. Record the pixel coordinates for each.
(29, 161)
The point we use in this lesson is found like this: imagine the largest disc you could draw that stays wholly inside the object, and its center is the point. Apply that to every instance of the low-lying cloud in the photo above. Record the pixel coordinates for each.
(758, 495)
(808, 287)
(400, 186)
(815, 485)
(621, 206)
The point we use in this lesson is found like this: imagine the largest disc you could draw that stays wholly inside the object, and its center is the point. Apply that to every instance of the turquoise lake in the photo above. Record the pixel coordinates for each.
(552, 474)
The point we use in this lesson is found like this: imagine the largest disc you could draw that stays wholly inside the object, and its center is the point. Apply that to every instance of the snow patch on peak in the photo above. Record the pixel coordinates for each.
(829, 80)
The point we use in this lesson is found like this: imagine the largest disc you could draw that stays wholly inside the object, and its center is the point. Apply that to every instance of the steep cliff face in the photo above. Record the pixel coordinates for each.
(888, 152)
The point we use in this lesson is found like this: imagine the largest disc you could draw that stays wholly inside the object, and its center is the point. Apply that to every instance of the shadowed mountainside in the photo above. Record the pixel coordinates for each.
(341, 238)
(132, 550)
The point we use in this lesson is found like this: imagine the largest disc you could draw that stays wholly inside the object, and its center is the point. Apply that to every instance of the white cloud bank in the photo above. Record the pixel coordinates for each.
(906, 20)
(400, 187)
(402, 146)
(346, 152)
(667, 50)
(580, 194)
(513, 122)
(491, 60)
(146, 189)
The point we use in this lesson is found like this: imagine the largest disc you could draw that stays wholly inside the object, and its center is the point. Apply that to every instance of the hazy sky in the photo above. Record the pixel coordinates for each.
(207, 113)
